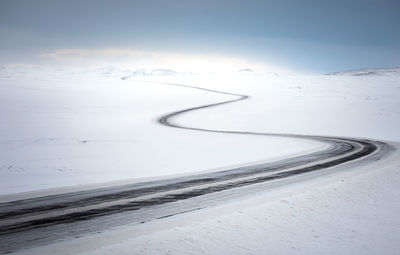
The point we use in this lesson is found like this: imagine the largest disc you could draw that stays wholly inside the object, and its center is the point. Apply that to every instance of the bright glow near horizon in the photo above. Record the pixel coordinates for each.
(138, 59)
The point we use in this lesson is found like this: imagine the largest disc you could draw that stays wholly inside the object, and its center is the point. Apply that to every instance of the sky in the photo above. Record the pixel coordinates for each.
(309, 35)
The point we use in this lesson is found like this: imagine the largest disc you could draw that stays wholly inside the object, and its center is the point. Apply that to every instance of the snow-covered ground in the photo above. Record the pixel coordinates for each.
(346, 105)
(352, 213)
(69, 127)
(62, 128)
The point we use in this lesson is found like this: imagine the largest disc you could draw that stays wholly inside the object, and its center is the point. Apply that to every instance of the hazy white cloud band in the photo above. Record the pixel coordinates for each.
(134, 59)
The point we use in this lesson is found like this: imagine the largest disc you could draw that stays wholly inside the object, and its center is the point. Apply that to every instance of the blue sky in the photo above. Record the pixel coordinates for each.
(314, 35)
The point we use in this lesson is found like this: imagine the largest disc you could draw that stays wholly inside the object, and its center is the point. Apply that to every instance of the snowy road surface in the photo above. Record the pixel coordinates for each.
(44, 220)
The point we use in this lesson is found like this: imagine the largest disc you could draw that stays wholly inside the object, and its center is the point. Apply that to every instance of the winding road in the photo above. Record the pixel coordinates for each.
(43, 220)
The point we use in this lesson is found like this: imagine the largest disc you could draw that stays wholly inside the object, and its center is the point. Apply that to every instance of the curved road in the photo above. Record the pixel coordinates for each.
(38, 221)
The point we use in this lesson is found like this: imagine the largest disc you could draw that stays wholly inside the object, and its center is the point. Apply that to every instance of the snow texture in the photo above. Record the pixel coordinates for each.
(72, 127)
(63, 128)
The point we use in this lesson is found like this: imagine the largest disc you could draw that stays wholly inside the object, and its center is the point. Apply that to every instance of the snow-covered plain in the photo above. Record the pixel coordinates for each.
(352, 213)
(62, 128)
(100, 128)
(345, 105)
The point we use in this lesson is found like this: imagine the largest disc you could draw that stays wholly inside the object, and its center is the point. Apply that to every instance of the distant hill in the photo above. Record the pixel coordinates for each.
(368, 72)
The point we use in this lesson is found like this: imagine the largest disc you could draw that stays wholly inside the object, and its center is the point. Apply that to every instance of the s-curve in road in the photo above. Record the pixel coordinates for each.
(43, 220)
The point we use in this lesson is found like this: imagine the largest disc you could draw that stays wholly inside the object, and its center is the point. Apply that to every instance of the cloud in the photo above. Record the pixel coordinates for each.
(135, 59)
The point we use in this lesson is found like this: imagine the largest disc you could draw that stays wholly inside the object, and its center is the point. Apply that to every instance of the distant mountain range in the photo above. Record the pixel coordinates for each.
(368, 72)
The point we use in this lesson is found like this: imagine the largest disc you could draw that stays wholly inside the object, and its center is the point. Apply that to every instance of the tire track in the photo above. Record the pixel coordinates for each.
(30, 221)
